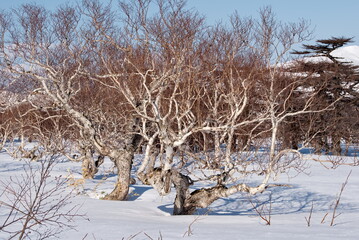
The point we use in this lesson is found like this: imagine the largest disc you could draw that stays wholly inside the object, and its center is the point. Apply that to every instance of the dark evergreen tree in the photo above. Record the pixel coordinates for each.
(337, 83)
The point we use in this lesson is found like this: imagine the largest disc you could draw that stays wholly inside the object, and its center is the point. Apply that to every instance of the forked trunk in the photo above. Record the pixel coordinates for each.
(159, 179)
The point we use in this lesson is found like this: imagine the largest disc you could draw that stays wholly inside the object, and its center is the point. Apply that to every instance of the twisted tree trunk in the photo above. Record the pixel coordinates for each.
(181, 183)
(123, 162)
(186, 204)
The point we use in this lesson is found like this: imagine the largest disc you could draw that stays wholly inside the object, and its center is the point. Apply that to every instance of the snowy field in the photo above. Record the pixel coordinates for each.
(146, 215)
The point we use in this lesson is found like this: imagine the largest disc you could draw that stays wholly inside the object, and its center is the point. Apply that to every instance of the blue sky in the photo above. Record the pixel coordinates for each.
(327, 17)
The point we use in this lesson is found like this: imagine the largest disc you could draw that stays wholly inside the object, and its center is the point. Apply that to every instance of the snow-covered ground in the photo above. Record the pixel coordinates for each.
(147, 216)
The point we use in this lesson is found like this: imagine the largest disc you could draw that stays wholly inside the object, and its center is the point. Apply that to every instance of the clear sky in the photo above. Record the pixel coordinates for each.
(327, 17)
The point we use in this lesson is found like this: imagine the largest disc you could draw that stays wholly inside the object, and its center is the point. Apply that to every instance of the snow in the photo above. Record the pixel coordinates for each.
(147, 214)
(348, 53)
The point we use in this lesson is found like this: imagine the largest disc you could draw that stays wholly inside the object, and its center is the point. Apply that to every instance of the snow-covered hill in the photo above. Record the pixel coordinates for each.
(348, 53)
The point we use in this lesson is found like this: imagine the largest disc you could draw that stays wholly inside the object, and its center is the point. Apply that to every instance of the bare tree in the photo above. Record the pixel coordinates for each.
(53, 52)
(266, 44)
(37, 205)
(158, 73)
(156, 76)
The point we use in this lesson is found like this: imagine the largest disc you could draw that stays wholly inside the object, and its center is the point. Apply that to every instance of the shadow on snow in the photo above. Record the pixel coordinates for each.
(283, 200)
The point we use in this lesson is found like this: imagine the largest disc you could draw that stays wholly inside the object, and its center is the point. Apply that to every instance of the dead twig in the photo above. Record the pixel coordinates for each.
(264, 211)
(310, 215)
(337, 201)
(189, 231)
